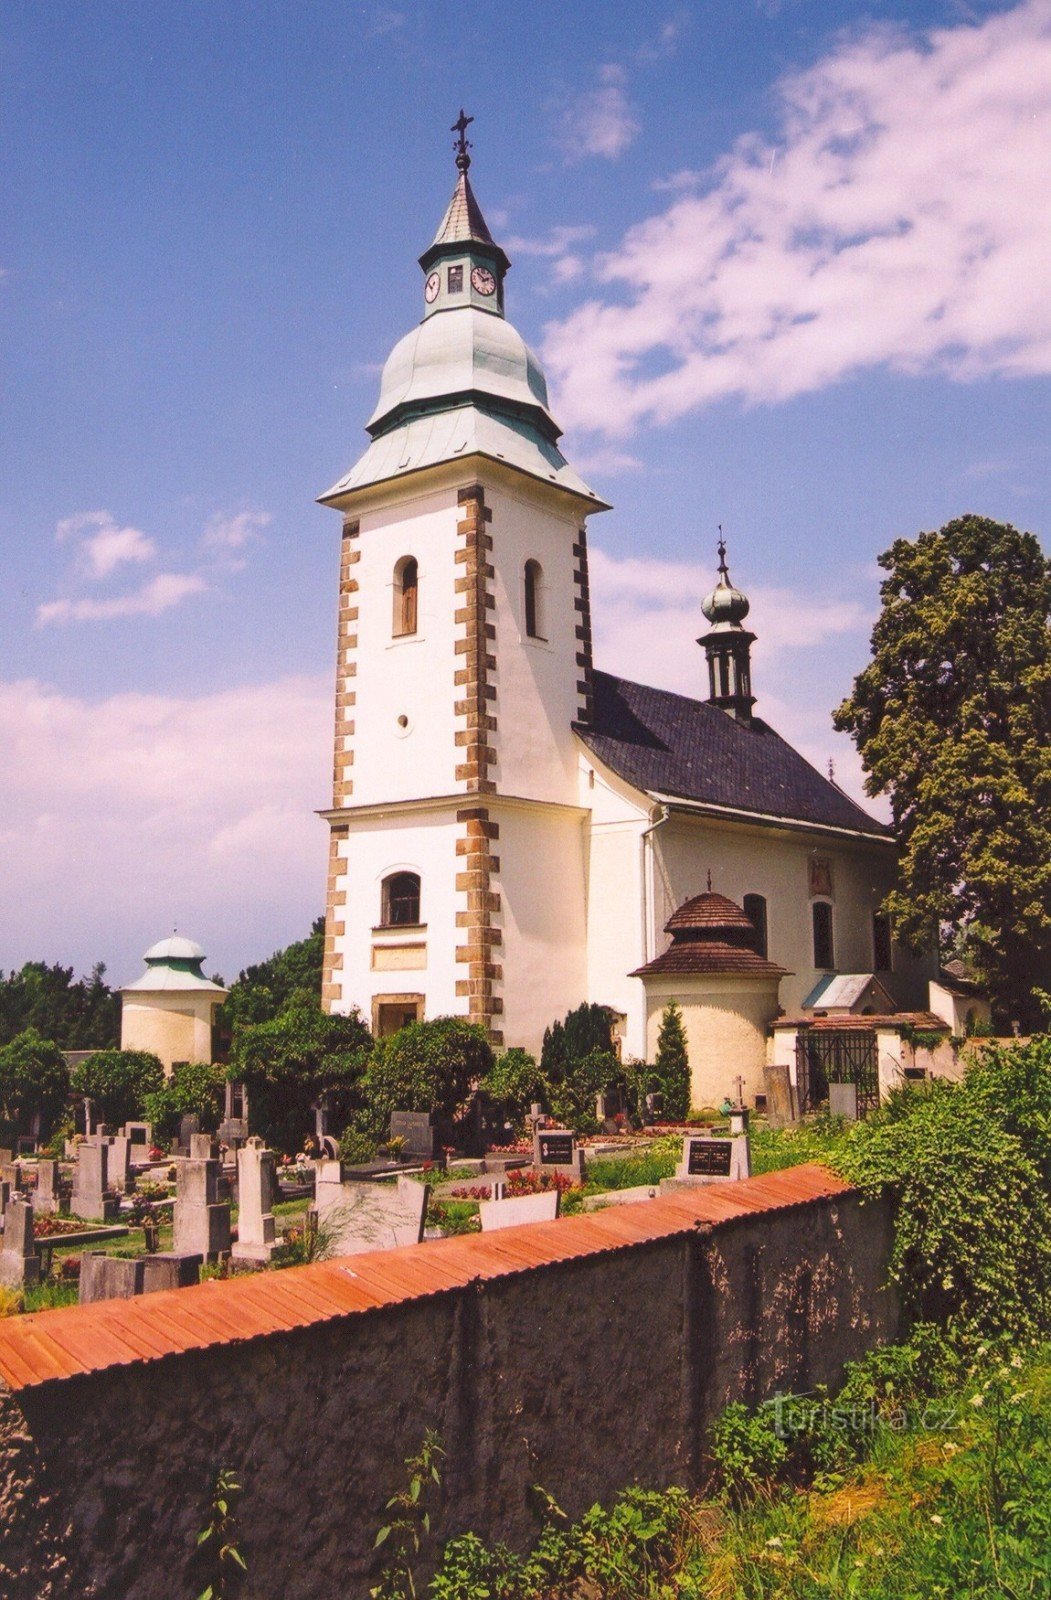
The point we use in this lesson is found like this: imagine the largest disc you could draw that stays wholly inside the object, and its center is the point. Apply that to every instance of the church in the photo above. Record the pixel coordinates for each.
(513, 830)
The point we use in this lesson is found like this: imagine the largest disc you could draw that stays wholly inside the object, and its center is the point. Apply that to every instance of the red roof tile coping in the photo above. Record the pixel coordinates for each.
(52, 1346)
(925, 1021)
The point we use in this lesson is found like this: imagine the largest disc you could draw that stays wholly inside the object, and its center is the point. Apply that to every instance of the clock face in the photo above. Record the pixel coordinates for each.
(431, 287)
(483, 280)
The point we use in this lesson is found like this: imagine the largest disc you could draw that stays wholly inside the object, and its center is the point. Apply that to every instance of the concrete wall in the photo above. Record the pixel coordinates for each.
(585, 1375)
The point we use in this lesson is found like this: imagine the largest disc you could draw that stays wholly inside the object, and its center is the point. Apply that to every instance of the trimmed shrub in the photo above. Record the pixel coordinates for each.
(514, 1082)
(34, 1081)
(195, 1088)
(429, 1066)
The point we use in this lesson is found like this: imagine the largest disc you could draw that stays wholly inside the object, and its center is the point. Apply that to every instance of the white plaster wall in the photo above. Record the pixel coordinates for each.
(375, 847)
(411, 676)
(616, 915)
(773, 862)
(536, 679)
(543, 955)
(174, 1027)
(725, 1021)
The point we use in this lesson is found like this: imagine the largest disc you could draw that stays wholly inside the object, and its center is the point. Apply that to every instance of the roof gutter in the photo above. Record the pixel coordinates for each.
(769, 819)
(649, 929)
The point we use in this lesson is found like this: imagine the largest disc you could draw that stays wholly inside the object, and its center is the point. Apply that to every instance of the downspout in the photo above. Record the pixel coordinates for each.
(649, 934)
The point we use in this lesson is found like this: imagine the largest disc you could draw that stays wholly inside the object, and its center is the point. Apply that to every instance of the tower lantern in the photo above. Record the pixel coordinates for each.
(728, 645)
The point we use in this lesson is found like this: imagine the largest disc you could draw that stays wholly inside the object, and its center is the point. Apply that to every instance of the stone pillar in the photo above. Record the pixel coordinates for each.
(202, 1221)
(256, 1191)
(19, 1262)
(105, 1277)
(166, 1270)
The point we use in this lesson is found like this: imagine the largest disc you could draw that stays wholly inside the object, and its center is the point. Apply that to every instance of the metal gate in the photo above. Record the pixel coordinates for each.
(835, 1055)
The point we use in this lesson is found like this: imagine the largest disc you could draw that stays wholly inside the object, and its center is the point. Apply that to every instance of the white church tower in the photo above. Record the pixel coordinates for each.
(458, 841)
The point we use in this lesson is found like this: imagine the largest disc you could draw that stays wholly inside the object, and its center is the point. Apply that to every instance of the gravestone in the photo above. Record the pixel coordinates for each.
(188, 1126)
(167, 1270)
(556, 1150)
(11, 1173)
(418, 1131)
(202, 1220)
(105, 1277)
(5, 1197)
(140, 1140)
(19, 1262)
(843, 1101)
(203, 1147)
(92, 1198)
(118, 1168)
(518, 1210)
(46, 1198)
(780, 1097)
(368, 1216)
(257, 1192)
(709, 1160)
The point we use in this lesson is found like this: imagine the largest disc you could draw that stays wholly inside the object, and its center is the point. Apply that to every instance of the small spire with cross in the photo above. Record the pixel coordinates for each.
(724, 571)
(831, 770)
(709, 880)
(463, 144)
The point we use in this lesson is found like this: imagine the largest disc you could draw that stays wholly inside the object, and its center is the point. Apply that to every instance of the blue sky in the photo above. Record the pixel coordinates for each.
(787, 266)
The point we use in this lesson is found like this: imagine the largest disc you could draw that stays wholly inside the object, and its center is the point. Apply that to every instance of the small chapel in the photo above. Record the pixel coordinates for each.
(514, 830)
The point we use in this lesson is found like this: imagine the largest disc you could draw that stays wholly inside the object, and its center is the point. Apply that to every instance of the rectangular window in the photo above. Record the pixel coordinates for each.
(456, 280)
(824, 954)
(755, 911)
(882, 956)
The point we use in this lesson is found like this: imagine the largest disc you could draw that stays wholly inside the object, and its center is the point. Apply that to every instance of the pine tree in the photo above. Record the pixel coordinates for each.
(672, 1067)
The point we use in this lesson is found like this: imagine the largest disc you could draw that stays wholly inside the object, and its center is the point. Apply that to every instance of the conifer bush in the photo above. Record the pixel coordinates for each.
(672, 1067)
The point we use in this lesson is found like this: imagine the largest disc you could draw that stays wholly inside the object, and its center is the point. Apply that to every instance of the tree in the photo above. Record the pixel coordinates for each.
(117, 1082)
(514, 1082)
(195, 1088)
(34, 1081)
(952, 718)
(289, 1061)
(262, 991)
(428, 1066)
(672, 1067)
(76, 1015)
(587, 1028)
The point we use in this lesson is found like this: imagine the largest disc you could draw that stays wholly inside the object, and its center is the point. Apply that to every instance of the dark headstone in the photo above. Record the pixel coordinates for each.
(417, 1129)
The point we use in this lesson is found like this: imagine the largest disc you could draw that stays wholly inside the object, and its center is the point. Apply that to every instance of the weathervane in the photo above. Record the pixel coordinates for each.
(462, 145)
(723, 569)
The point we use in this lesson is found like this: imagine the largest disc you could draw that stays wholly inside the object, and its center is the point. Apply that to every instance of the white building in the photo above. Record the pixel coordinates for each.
(171, 1009)
(511, 829)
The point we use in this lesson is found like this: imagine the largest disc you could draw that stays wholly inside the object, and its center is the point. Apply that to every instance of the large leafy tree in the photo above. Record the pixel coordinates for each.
(952, 718)
(430, 1066)
(34, 1080)
(289, 1061)
(263, 990)
(118, 1082)
(76, 1013)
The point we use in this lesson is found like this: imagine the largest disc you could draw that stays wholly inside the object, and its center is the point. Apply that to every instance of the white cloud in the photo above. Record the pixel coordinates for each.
(901, 218)
(160, 594)
(102, 545)
(227, 534)
(122, 815)
(601, 121)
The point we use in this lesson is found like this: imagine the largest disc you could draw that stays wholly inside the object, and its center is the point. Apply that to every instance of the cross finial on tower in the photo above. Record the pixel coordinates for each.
(463, 144)
(709, 880)
(831, 770)
(724, 571)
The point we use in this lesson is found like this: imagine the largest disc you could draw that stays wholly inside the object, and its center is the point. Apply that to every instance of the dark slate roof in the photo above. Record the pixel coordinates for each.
(668, 744)
(463, 220)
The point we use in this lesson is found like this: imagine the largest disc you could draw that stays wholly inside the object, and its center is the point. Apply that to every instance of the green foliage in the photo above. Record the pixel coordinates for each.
(1012, 1085)
(217, 1548)
(118, 1083)
(356, 1147)
(672, 1066)
(587, 1029)
(428, 1066)
(80, 1015)
(658, 1160)
(515, 1081)
(953, 721)
(289, 1061)
(573, 1098)
(261, 992)
(746, 1451)
(972, 1241)
(195, 1088)
(34, 1079)
(405, 1532)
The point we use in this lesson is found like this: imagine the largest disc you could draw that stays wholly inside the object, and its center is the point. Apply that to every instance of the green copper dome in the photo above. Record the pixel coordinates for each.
(725, 606)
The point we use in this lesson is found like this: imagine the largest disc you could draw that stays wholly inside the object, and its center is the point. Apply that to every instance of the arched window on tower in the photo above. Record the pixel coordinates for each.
(534, 600)
(400, 900)
(406, 596)
(755, 911)
(824, 950)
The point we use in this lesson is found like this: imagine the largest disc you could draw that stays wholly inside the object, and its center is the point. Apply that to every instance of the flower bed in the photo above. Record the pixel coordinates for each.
(46, 1226)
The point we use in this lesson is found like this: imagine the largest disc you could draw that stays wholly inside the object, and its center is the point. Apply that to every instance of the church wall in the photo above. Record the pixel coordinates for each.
(616, 900)
(374, 848)
(536, 679)
(410, 676)
(777, 864)
(542, 954)
(174, 1030)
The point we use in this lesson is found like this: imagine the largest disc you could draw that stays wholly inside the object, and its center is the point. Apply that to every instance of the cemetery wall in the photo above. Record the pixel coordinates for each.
(581, 1374)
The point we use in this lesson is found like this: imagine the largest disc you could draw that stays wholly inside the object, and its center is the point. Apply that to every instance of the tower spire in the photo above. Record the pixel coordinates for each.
(463, 144)
(728, 645)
